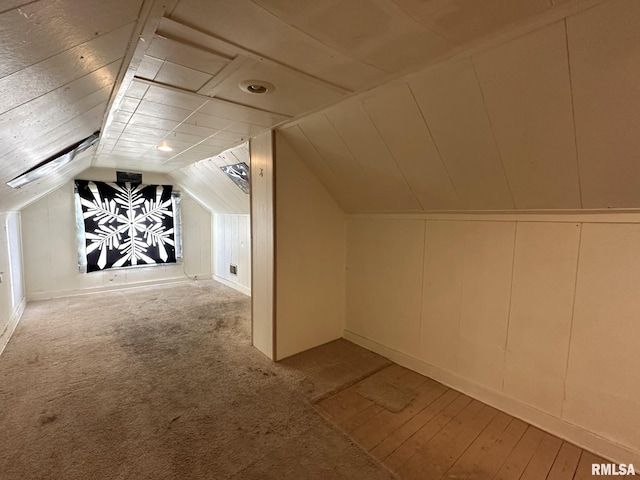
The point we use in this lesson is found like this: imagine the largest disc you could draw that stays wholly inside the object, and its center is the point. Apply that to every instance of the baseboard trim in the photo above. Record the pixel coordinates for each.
(7, 333)
(31, 297)
(573, 433)
(235, 286)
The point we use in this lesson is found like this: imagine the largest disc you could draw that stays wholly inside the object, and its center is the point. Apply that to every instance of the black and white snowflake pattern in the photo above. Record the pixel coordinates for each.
(126, 224)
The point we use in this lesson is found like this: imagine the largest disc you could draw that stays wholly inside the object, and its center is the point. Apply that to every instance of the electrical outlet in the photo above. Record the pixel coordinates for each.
(233, 269)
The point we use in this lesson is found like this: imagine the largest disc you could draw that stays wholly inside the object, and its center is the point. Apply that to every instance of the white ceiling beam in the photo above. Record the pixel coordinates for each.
(150, 14)
(172, 29)
(203, 97)
(194, 46)
(211, 88)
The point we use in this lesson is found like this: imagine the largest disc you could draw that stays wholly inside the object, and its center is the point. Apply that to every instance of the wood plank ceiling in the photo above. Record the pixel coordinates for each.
(147, 73)
(58, 66)
(547, 120)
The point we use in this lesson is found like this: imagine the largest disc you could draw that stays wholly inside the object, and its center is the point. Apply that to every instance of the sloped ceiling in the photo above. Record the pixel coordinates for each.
(548, 120)
(59, 61)
(515, 126)
(205, 181)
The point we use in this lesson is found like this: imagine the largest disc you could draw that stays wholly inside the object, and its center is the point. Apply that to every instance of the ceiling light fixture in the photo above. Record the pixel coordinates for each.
(256, 87)
(53, 163)
(164, 148)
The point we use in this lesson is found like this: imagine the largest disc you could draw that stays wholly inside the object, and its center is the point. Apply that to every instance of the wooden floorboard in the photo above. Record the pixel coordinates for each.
(471, 458)
(361, 418)
(432, 403)
(442, 451)
(564, 467)
(496, 456)
(543, 458)
(370, 434)
(430, 429)
(344, 405)
(443, 434)
(517, 461)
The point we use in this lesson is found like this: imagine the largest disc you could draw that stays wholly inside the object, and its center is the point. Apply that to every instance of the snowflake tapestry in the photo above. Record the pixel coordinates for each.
(126, 224)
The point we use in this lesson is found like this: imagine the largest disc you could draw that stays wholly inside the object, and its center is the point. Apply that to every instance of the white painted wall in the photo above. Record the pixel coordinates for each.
(12, 299)
(535, 314)
(232, 245)
(196, 239)
(262, 243)
(50, 251)
(310, 257)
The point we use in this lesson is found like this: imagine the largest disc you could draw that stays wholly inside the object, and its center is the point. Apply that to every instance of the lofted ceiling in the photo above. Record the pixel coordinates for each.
(59, 63)
(199, 178)
(149, 73)
(546, 120)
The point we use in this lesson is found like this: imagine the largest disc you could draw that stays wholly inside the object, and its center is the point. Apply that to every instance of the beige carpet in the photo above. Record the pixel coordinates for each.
(162, 383)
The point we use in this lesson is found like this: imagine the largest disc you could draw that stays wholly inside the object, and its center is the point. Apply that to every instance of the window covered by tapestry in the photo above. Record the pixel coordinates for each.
(125, 225)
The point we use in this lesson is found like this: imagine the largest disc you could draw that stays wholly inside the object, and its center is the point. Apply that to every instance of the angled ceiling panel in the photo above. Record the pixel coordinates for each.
(187, 55)
(604, 48)
(412, 146)
(193, 78)
(327, 142)
(527, 90)
(36, 117)
(449, 137)
(375, 32)
(161, 110)
(154, 123)
(181, 76)
(294, 94)
(61, 69)
(195, 126)
(59, 61)
(381, 171)
(40, 126)
(42, 29)
(205, 181)
(194, 56)
(149, 67)
(165, 96)
(55, 140)
(17, 199)
(336, 185)
(452, 104)
(462, 21)
(256, 28)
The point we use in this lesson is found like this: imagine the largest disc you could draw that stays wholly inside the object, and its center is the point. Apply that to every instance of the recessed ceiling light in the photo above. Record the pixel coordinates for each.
(256, 86)
(164, 148)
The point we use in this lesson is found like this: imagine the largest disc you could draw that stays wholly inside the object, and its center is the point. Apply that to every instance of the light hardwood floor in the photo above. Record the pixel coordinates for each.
(444, 434)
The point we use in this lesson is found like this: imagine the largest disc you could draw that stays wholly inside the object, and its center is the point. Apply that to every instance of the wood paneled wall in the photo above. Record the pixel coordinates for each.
(310, 257)
(536, 315)
(232, 245)
(262, 243)
(12, 296)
